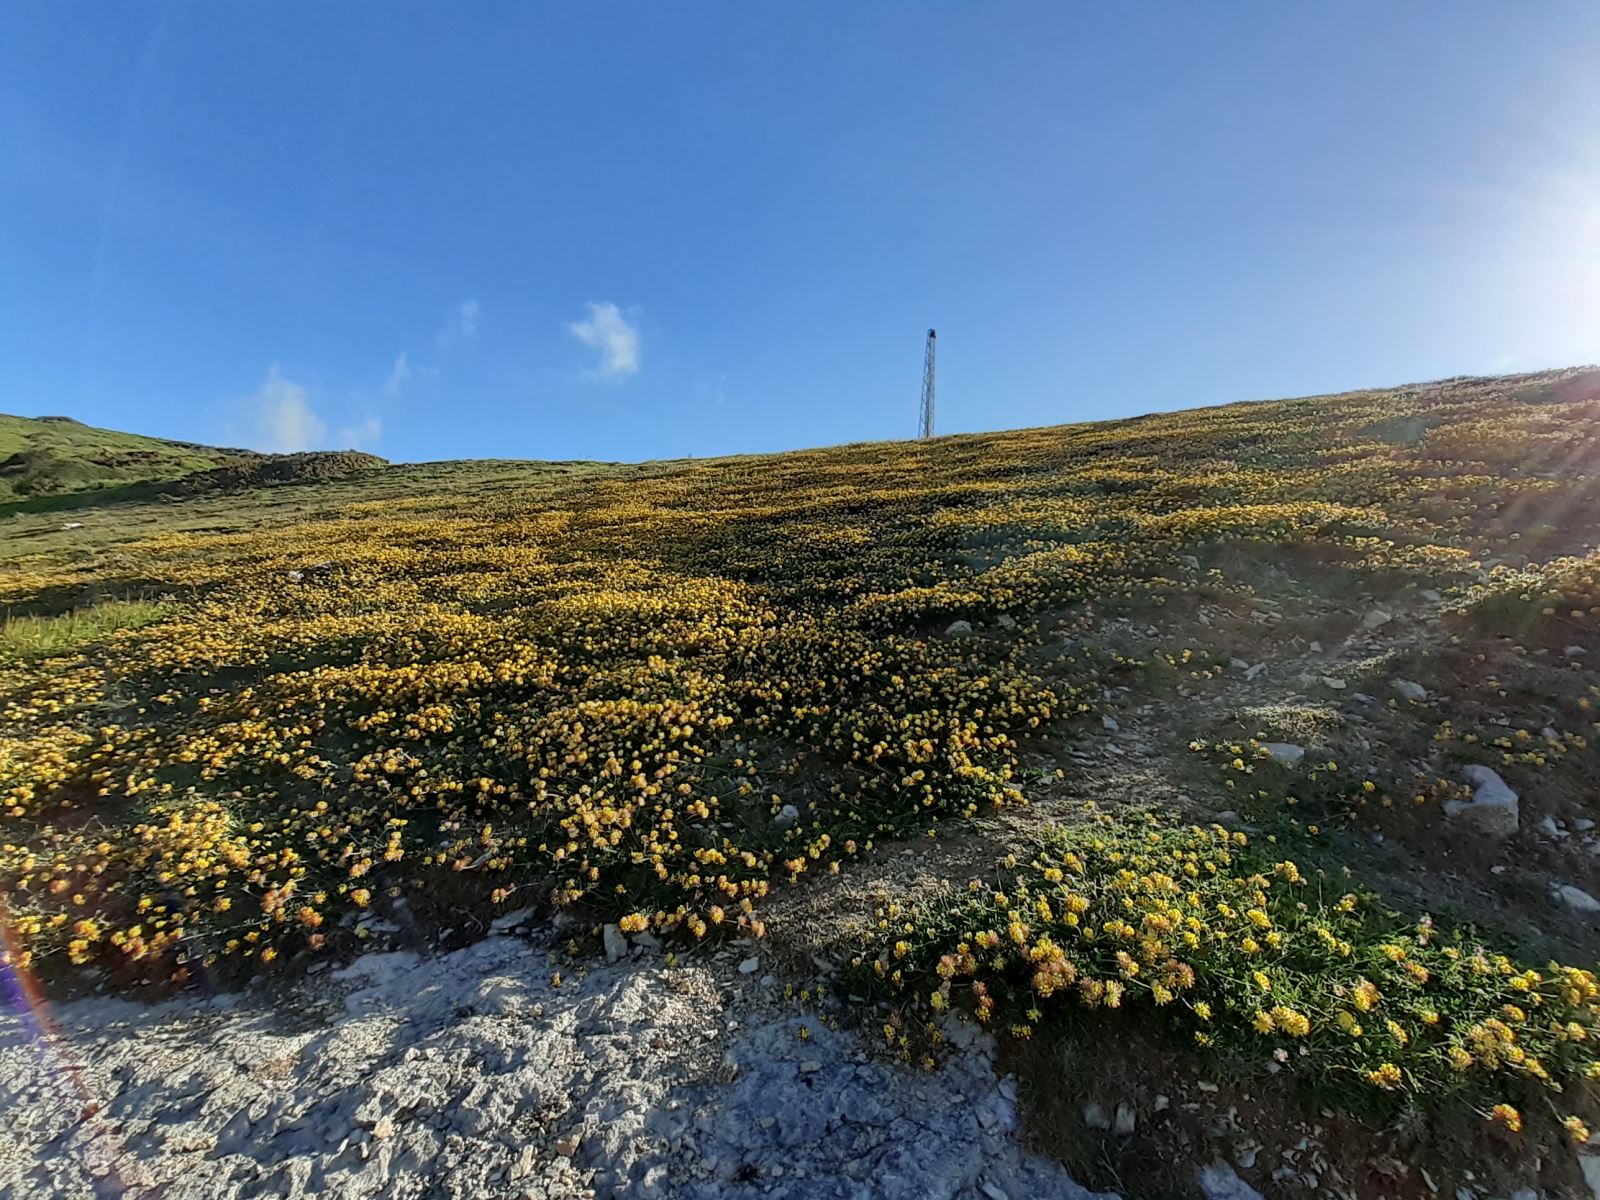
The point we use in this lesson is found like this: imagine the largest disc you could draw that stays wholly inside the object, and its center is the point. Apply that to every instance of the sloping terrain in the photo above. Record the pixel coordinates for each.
(53, 464)
(484, 1073)
(1256, 744)
(42, 456)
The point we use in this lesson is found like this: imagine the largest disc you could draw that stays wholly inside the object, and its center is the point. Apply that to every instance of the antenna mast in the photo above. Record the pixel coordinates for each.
(926, 429)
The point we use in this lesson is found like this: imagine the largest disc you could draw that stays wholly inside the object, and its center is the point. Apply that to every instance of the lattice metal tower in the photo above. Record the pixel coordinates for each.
(926, 429)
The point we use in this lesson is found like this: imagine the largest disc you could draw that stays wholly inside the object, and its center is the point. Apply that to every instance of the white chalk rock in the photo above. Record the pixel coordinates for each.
(616, 945)
(1284, 752)
(1494, 807)
(1409, 690)
(1219, 1181)
(1576, 899)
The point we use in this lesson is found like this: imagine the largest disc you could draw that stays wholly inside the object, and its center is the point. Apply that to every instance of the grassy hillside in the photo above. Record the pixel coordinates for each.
(56, 464)
(1182, 716)
(42, 456)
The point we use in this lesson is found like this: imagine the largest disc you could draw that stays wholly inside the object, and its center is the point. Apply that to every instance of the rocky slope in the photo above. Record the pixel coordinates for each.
(474, 1074)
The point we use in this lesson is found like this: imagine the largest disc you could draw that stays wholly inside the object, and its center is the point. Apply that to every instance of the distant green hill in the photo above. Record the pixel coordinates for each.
(42, 456)
(48, 461)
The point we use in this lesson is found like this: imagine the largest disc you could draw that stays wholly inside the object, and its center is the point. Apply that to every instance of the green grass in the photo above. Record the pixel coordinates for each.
(44, 637)
(50, 456)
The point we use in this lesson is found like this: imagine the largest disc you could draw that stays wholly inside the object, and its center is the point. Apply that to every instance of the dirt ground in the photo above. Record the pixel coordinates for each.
(1268, 667)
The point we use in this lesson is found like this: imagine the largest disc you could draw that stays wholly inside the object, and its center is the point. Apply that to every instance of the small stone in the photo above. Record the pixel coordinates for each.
(1238, 664)
(383, 1127)
(1409, 690)
(1549, 828)
(750, 965)
(1376, 619)
(1583, 824)
(1337, 685)
(1006, 621)
(1126, 1120)
(1573, 652)
(1096, 1117)
(1494, 807)
(567, 1146)
(1219, 1181)
(616, 945)
(1576, 898)
(1431, 596)
(788, 816)
(1316, 647)
(1160, 1103)
(1109, 722)
(994, 1191)
(1590, 1165)
(1284, 752)
(510, 921)
(810, 1067)
(958, 629)
(527, 1163)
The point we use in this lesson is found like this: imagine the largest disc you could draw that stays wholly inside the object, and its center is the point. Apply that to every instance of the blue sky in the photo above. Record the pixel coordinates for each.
(629, 231)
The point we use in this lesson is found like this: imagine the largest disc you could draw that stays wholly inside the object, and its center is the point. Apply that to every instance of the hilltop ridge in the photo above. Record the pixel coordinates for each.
(54, 454)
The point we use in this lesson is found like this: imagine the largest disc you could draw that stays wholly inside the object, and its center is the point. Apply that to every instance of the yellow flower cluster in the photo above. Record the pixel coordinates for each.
(659, 695)
(1120, 911)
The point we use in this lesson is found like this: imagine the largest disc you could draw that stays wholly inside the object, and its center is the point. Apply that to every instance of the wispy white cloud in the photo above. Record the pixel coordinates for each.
(399, 374)
(358, 436)
(609, 332)
(281, 419)
(460, 324)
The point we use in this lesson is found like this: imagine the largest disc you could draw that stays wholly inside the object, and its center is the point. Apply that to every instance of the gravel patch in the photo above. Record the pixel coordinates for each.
(471, 1074)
